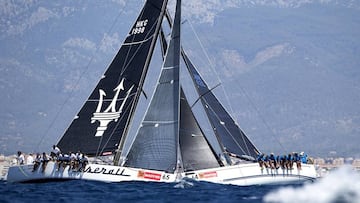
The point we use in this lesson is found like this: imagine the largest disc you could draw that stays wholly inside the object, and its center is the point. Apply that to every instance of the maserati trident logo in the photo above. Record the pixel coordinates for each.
(110, 113)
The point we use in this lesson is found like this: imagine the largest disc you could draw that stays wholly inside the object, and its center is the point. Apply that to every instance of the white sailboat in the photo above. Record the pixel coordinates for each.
(169, 144)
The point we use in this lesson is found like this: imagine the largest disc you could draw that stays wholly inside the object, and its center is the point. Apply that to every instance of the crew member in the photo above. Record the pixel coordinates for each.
(55, 152)
(30, 159)
(37, 162)
(44, 161)
(20, 158)
(260, 159)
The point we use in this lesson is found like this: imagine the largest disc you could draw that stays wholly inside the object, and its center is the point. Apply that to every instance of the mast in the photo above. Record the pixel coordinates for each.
(177, 48)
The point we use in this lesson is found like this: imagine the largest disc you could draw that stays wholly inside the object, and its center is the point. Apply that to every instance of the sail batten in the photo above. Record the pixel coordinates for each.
(139, 42)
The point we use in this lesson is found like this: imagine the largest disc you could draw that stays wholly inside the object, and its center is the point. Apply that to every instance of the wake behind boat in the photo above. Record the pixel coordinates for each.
(169, 143)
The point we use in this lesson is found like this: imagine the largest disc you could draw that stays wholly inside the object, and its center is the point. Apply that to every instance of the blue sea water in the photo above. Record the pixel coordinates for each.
(339, 186)
(88, 191)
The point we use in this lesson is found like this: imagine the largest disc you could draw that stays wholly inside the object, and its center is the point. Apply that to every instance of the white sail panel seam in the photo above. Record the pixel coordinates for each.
(169, 67)
(160, 122)
(139, 42)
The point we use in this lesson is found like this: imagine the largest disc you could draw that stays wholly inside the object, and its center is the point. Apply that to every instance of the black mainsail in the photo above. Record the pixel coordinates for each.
(103, 119)
(196, 152)
(156, 142)
(232, 138)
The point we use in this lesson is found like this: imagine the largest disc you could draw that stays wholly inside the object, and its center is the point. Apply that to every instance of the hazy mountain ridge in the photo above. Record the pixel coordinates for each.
(301, 77)
(297, 72)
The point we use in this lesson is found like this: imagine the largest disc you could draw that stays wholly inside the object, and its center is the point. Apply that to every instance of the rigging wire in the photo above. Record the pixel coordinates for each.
(241, 88)
(87, 67)
(261, 117)
(212, 68)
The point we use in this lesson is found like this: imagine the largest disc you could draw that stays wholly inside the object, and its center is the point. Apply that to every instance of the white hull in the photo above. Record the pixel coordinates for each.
(94, 172)
(252, 174)
(242, 174)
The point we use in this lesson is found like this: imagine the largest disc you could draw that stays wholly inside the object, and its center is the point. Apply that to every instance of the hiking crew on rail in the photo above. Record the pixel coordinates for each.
(75, 161)
(283, 161)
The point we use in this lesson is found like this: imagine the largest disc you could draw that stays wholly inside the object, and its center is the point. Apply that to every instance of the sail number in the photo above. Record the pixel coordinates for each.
(139, 27)
(166, 177)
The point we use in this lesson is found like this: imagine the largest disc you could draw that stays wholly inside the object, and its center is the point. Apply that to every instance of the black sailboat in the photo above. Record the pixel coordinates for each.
(169, 143)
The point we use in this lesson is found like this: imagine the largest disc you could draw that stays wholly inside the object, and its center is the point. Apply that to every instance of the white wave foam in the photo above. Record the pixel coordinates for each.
(183, 183)
(341, 185)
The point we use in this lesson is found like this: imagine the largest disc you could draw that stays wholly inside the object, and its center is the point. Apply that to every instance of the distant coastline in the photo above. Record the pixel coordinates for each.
(326, 165)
